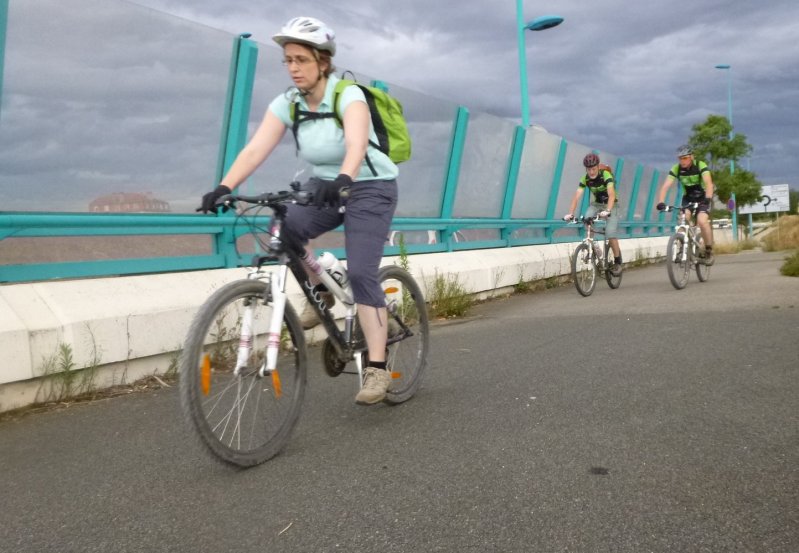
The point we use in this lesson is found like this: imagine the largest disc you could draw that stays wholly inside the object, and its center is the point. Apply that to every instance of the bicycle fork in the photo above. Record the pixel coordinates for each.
(277, 290)
(686, 243)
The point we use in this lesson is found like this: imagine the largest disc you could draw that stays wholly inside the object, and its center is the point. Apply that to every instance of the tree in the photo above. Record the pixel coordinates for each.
(743, 183)
(711, 142)
(793, 201)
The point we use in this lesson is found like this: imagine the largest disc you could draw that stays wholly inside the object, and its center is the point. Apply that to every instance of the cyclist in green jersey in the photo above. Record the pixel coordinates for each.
(697, 186)
(600, 181)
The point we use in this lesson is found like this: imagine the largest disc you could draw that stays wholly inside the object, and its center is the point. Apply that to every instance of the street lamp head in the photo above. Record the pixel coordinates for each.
(544, 22)
(723, 66)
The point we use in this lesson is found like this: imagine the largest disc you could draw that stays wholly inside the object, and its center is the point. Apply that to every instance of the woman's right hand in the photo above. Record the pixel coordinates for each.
(208, 202)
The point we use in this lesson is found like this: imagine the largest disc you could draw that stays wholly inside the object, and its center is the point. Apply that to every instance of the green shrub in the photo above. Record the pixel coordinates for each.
(448, 298)
(791, 265)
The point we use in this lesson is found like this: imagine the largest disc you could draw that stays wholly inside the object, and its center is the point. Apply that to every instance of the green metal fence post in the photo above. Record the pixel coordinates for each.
(234, 126)
(650, 199)
(639, 171)
(617, 180)
(512, 178)
(453, 170)
(555, 188)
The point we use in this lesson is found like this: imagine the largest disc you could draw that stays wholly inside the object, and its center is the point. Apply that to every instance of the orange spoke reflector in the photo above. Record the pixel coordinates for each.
(391, 290)
(395, 375)
(205, 374)
(276, 383)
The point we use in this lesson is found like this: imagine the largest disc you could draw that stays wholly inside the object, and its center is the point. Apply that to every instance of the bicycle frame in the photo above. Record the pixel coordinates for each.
(688, 229)
(590, 232)
(291, 256)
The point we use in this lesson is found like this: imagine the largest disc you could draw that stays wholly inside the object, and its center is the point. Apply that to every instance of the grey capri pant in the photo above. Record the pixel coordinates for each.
(612, 223)
(366, 219)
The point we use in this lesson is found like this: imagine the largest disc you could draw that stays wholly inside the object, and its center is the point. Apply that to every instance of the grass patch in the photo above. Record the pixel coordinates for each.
(785, 236)
(522, 286)
(448, 298)
(145, 384)
(791, 265)
(62, 379)
(640, 259)
(735, 247)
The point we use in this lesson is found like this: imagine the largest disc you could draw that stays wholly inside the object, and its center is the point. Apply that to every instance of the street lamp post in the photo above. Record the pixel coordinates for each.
(728, 68)
(537, 24)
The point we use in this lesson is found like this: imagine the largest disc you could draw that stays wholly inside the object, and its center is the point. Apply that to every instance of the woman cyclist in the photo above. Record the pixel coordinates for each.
(341, 156)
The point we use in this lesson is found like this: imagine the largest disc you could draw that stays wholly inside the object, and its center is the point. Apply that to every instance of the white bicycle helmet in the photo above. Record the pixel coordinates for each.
(310, 31)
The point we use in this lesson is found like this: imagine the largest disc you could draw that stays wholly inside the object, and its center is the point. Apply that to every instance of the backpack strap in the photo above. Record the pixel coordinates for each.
(298, 115)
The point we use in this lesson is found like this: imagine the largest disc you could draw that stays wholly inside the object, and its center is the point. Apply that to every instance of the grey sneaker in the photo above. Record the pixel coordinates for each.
(308, 318)
(615, 269)
(375, 384)
(709, 258)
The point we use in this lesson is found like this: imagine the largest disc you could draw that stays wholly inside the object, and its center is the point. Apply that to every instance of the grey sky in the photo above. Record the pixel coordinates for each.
(629, 78)
(111, 96)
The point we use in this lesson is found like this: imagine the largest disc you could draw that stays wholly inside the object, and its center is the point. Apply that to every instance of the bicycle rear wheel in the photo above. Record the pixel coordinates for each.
(584, 269)
(408, 333)
(242, 418)
(614, 281)
(702, 270)
(677, 267)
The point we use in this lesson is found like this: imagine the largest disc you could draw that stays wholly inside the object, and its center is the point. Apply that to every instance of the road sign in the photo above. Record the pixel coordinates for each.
(775, 199)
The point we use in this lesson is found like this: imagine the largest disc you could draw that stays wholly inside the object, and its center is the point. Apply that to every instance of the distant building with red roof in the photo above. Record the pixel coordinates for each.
(129, 202)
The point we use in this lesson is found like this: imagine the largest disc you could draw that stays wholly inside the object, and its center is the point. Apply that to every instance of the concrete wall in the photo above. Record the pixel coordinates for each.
(130, 327)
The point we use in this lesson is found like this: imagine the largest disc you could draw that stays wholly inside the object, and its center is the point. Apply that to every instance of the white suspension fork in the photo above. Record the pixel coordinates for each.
(278, 290)
(245, 338)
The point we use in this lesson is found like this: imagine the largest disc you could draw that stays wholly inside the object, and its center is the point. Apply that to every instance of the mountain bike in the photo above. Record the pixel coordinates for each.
(243, 368)
(686, 249)
(591, 259)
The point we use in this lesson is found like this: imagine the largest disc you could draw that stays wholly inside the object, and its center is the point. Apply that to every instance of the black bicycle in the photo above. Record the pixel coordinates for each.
(592, 258)
(243, 367)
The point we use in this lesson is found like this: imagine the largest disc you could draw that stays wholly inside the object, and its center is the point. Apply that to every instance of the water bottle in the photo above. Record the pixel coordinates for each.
(334, 267)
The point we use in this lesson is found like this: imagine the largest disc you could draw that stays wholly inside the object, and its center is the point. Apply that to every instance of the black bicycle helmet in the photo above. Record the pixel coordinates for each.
(591, 160)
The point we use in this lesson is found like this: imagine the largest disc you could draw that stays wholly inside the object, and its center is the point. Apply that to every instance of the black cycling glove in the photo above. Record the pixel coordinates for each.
(329, 192)
(661, 206)
(209, 200)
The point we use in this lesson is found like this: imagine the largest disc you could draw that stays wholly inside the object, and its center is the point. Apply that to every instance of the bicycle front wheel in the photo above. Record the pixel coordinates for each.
(584, 269)
(677, 264)
(408, 333)
(240, 417)
(614, 281)
(702, 270)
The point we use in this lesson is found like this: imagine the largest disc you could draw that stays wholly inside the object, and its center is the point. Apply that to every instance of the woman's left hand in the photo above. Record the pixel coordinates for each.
(329, 192)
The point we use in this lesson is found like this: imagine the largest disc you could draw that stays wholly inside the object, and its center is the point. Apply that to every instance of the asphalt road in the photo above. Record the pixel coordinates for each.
(643, 419)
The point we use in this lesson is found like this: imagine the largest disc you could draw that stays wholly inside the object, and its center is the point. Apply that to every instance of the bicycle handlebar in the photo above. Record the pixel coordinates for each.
(267, 198)
(693, 206)
(582, 219)
(301, 197)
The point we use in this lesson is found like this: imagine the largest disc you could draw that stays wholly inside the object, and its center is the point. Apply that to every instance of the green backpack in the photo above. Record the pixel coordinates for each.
(390, 127)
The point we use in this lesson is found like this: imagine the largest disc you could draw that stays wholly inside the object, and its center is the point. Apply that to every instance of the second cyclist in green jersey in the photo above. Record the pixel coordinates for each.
(600, 182)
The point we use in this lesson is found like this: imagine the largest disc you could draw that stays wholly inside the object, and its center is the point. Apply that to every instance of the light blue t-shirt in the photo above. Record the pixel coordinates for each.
(322, 140)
